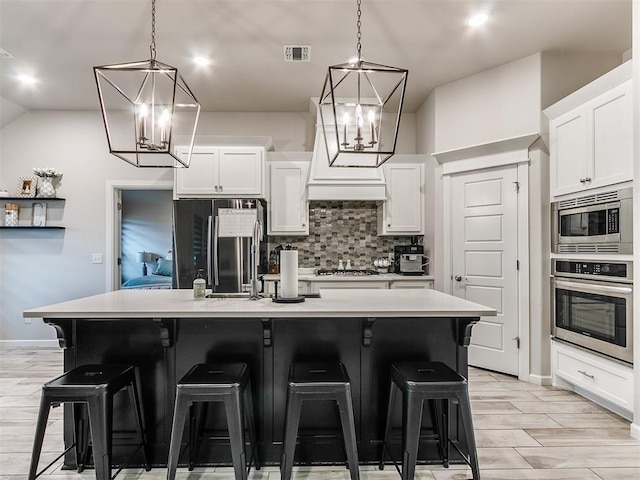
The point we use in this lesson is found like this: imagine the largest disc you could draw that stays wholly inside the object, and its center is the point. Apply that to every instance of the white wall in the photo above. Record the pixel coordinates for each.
(635, 427)
(496, 104)
(44, 267)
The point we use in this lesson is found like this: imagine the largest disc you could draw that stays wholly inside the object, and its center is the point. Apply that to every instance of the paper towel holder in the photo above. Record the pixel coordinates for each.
(276, 299)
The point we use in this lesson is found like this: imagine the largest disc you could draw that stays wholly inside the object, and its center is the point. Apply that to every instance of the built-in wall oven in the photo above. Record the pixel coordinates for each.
(595, 223)
(592, 305)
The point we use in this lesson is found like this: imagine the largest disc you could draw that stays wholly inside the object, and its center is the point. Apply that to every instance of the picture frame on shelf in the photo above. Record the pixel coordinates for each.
(39, 214)
(27, 187)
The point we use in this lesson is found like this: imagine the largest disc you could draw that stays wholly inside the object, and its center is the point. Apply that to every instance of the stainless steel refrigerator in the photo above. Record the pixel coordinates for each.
(204, 238)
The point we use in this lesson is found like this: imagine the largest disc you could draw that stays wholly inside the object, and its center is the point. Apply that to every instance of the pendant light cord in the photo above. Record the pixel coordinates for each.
(359, 35)
(152, 47)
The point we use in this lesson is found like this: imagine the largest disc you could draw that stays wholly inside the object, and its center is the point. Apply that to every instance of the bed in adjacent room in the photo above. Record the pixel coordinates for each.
(160, 278)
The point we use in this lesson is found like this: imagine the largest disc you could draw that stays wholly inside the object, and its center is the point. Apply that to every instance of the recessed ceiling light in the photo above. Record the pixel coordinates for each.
(479, 18)
(27, 79)
(202, 61)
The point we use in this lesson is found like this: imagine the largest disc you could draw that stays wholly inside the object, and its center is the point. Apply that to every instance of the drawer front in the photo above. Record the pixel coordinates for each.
(608, 380)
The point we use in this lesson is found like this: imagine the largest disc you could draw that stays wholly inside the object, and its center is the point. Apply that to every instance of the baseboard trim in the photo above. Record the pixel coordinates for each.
(635, 430)
(540, 379)
(29, 344)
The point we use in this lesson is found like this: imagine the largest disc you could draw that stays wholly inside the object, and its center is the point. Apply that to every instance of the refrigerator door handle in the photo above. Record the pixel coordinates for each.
(209, 220)
(216, 267)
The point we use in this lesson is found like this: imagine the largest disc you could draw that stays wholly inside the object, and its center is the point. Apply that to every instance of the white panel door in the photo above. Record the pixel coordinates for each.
(484, 225)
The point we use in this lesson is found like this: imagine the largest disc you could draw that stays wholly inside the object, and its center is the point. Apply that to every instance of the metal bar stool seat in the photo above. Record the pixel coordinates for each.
(433, 381)
(95, 387)
(209, 382)
(318, 381)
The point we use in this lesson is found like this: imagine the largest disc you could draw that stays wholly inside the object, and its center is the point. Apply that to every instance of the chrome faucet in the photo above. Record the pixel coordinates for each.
(255, 256)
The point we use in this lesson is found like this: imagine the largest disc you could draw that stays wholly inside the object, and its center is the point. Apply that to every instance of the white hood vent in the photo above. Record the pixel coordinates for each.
(340, 183)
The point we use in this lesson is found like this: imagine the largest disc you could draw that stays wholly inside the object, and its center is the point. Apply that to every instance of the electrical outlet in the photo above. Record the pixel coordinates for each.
(96, 258)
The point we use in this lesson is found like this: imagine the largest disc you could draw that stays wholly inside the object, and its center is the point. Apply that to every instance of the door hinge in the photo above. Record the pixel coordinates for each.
(517, 339)
(517, 264)
(119, 261)
(517, 184)
(119, 206)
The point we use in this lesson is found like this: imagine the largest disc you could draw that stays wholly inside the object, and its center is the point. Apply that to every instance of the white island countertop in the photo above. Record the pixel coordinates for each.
(124, 304)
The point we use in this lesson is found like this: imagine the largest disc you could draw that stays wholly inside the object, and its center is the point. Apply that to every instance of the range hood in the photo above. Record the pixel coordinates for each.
(340, 183)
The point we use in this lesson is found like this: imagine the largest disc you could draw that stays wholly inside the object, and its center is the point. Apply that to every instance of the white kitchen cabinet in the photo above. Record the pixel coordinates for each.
(604, 381)
(288, 204)
(401, 212)
(221, 172)
(315, 287)
(591, 145)
(428, 284)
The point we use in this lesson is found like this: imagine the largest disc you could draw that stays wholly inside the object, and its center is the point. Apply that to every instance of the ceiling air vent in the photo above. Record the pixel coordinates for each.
(297, 53)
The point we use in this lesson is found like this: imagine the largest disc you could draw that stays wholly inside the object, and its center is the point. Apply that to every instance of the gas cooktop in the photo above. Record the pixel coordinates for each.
(351, 273)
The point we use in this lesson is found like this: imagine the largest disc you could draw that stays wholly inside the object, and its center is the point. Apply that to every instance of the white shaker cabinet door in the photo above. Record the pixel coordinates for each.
(401, 213)
(201, 176)
(240, 171)
(568, 135)
(288, 205)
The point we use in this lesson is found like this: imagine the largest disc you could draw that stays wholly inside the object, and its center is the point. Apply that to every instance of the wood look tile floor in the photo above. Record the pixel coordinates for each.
(524, 431)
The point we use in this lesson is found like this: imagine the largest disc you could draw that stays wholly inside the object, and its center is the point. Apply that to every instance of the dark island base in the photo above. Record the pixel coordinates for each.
(164, 350)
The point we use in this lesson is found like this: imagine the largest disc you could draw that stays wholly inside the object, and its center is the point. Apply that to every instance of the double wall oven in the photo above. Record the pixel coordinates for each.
(592, 297)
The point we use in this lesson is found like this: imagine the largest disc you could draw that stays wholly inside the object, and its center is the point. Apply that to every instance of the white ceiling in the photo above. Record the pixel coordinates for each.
(60, 41)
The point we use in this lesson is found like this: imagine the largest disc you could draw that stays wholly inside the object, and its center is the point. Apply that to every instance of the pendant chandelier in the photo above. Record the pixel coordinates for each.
(145, 105)
(360, 109)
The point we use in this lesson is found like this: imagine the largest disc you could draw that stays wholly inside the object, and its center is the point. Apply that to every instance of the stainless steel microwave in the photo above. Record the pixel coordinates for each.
(596, 223)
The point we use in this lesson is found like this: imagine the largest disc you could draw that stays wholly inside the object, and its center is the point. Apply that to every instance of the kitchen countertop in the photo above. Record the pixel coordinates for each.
(382, 277)
(123, 304)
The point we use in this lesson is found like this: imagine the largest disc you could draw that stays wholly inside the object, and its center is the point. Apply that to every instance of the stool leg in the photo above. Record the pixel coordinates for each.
(347, 420)
(252, 425)
(100, 417)
(235, 421)
(134, 397)
(439, 424)
(411, 420)
(41, 425)
(393, 388)
(467, 422)
(198, 417)
(81, 435)
(180, 410)
(291, 422)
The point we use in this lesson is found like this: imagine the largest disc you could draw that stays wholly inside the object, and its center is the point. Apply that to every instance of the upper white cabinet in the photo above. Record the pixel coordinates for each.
(288, 204)
(401, 213)
(221, 172)
(591, 144)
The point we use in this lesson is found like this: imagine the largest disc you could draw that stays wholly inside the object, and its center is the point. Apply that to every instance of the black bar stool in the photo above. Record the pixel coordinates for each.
(419, 381)
(318, 381)
(208, 382)
(95, 386)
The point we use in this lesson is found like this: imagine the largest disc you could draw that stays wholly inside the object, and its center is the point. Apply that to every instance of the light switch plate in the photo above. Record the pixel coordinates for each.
(96, 258)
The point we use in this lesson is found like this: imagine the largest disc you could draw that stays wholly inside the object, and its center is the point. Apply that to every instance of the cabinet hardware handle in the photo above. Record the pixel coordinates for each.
(220, 187)
(215, 188)
(587, 180)
(582, 180)
(586, 374)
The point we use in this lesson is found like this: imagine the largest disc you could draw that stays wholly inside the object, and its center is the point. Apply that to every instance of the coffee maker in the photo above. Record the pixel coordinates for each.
(409, 259)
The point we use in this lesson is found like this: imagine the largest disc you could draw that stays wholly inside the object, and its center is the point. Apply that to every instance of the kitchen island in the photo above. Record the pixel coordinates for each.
(165, 332)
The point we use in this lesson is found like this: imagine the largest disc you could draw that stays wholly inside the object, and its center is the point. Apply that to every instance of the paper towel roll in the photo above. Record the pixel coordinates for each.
(289, 273)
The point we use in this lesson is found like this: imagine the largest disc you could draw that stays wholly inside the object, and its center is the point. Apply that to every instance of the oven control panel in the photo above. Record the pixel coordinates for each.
(603, 270)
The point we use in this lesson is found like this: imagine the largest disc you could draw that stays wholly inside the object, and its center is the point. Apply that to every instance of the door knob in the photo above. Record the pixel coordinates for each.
(458, 278)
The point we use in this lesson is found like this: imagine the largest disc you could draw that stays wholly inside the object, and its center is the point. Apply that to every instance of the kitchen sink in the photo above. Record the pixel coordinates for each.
(227, 295)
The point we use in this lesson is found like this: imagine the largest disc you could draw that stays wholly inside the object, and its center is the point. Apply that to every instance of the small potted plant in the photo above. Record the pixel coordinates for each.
(47, 187)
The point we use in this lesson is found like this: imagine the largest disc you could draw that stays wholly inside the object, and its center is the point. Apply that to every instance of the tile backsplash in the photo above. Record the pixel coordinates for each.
(341, 230)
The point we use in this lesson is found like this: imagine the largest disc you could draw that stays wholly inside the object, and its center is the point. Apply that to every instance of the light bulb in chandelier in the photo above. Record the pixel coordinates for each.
(360, 142)
(151, 127)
